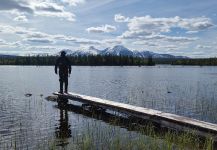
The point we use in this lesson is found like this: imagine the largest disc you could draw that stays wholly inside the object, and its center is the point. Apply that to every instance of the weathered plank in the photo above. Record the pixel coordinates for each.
(164, 119)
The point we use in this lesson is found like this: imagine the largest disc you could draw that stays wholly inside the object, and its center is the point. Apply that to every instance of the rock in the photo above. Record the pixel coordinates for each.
(52, 98)
(28, 94)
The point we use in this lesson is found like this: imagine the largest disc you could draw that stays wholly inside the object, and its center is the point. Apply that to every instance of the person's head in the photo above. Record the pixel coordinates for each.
(63, 53)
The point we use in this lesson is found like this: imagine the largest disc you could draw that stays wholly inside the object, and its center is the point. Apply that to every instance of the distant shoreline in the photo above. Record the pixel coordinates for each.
(106, 61)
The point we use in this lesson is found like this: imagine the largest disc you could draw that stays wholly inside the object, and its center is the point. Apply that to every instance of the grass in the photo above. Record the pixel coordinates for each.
(113, 135)
(112, 138)
(109, 137)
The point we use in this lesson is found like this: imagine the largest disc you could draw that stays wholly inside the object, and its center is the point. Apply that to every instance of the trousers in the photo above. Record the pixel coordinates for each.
(63, 80)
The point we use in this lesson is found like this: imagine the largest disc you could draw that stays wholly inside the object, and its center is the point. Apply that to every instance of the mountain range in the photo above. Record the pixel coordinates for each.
(119, 50)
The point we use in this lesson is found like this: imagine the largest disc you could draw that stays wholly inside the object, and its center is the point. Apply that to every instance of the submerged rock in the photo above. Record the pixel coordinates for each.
(52, 98)
(28, 94)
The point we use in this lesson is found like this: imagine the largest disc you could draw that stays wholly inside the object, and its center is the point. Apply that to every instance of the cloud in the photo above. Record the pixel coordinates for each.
(2, 42)
(102, 29)
(36, 7)
(38, 40)
(15, 5)
(10, 29)
(110, 42)
(170, 38)
(144, 26)
(120, 18)
(73, 2)
(146, 30)
(86, 41)
(47, 6)
(192, 32)
(32, 36)
(154, 37)
(203, 46)
(21, 18)
(65, 15)
(135, 34)
(50, 9)
(6, 44)
(195, 24)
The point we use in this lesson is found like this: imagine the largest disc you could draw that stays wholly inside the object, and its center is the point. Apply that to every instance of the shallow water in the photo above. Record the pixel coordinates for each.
(31, 122)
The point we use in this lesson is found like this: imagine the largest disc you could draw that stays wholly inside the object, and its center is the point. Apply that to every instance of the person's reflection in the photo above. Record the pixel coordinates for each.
(63, 131)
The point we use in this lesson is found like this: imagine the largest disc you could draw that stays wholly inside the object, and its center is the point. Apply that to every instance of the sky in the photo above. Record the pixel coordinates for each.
(178, 27)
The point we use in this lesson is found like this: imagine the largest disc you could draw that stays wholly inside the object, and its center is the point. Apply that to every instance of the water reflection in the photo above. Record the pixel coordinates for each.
(33, 121)
(63, 130)
(130, 123)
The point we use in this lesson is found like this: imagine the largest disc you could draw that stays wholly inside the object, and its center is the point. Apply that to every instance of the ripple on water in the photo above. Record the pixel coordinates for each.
(33, 122)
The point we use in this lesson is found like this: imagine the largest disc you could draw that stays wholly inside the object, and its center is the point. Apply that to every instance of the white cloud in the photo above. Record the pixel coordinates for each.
(192, 32)
(144, 26)
(7, 44)
(73, 2)
(121, 18)
(19, 5)
(2, 41)
(170, 38)
(35, 37)
(46, 8)
(66, 15)
(137, 34)
(101, 29)
(86, 41)
(203, 46)
(146, 30)
(39, 40)
(50, 9)
(195, 24)
(21, 18)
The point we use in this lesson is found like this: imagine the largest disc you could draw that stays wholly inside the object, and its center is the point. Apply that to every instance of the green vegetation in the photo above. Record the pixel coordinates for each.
(146, 139)
(114, 136)
(77, 60)
(109, 60)
(197, 62)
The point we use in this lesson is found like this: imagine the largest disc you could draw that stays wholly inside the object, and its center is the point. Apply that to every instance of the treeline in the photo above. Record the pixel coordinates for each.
(197, 62)
(78, 60)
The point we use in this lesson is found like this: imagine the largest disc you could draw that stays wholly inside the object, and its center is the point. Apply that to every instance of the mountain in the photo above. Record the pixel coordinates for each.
(119, 50)
(7, 56)
(144, 54)
(90, 51)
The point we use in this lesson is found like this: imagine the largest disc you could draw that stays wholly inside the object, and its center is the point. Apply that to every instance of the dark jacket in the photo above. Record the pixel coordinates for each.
(64, 66)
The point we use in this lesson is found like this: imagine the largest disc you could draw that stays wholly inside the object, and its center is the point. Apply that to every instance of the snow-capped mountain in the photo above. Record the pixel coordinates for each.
(118, 50)
(90, 51)
(144, 54)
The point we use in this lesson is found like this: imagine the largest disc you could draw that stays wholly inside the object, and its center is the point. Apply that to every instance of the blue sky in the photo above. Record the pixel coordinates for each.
(181, 27)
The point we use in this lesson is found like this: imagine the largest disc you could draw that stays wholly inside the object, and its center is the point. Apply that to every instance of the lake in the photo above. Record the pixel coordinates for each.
(33, 122)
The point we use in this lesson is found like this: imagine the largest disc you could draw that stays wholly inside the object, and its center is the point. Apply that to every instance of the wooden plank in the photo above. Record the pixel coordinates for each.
(166, 119)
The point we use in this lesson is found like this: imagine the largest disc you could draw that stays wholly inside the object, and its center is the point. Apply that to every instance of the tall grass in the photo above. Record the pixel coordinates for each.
(112, 138)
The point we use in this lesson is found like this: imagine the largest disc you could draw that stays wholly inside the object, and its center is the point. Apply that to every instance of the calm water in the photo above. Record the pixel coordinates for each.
(30, 122)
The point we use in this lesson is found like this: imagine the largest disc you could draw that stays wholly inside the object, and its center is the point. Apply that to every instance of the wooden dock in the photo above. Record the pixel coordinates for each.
(167, 120)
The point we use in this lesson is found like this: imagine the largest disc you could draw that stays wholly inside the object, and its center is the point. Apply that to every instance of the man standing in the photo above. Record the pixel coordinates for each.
(64, 66)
